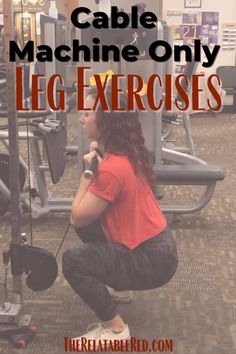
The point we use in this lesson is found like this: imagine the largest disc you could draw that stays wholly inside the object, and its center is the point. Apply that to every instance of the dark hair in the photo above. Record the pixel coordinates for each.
(121, 134)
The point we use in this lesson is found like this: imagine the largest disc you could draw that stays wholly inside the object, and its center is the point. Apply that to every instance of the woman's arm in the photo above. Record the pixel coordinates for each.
(86, 207)
(82, 190)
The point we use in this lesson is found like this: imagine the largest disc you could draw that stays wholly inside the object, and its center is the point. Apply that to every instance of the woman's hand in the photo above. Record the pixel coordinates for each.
(93, 146)
(88, 158)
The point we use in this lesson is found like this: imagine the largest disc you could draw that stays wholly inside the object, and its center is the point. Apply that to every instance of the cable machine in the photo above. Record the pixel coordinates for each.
(22, 257)
(15, 310)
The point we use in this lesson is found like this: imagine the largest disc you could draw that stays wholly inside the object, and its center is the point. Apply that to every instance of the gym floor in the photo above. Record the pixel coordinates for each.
(197, 308)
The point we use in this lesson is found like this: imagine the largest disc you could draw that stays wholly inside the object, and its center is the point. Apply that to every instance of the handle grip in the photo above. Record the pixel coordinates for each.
(92, 168)
(26, 338)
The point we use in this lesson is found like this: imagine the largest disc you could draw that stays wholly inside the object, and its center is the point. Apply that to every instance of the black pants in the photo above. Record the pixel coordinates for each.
(91, 266)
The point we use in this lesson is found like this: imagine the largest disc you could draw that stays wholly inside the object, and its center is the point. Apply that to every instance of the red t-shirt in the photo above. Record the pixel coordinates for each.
(133, 215)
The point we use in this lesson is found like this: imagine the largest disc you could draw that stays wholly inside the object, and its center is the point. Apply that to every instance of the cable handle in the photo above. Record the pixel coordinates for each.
(92, 168)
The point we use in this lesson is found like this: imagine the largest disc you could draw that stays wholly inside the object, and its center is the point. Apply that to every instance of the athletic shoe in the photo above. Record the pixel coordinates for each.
(101, 337)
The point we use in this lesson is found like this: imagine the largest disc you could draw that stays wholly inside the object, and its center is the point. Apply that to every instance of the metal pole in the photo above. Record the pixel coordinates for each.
(158, 115)
(105, 6)
(13, 139)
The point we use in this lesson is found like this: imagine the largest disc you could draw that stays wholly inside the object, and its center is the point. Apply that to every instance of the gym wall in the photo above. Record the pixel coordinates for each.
(152, 5)
(227, 14)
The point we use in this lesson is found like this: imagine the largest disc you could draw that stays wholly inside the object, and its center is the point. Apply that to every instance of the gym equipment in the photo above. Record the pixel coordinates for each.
(89, 172)
(2, 89)
(53, 12)
(169, 117)
(53, 33)
(4, 176)
(104, 6)
(50, 133)
(228, 77)
(2, 74)
(39, 265)
(19, 337)
(4, 205)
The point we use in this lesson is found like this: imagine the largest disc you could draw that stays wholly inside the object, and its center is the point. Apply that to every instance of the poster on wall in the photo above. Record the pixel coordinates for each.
(229, 36)
(174, 17)
(185, 34)
(190, 18)
(210, 27)
(189, 26)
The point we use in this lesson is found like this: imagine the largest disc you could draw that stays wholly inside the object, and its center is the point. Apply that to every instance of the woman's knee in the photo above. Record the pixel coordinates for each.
(170, 269)
(73, 260)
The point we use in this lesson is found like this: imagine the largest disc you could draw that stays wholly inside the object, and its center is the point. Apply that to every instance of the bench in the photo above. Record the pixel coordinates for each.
(196, 175)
